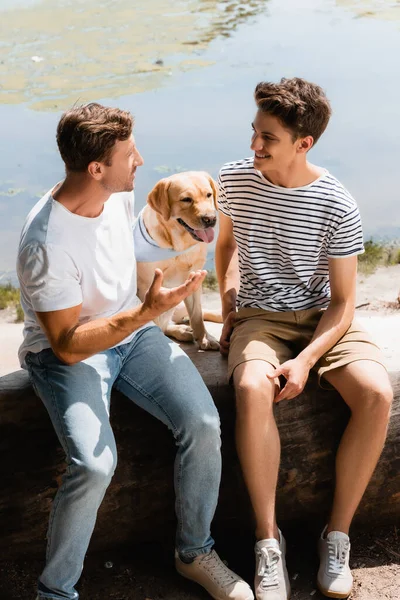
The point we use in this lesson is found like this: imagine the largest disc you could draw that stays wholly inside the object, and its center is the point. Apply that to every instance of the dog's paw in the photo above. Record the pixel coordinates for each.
(208, 342)
(182, 333)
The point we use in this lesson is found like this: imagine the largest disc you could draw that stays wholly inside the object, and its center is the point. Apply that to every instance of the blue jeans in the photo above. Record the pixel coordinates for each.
(158, 376)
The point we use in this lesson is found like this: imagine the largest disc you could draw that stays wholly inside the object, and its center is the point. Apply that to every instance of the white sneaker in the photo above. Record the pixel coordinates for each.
(271, 581)
(210, 572)
(334, 576)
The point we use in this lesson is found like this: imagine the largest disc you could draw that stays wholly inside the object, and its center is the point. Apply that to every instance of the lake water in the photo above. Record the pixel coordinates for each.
(187, 70)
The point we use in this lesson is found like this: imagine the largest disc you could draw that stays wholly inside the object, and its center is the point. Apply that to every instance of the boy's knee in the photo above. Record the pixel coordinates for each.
(382, 398)
(377, 401)
(254, 392)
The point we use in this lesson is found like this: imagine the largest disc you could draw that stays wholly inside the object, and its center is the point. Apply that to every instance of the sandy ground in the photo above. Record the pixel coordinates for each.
(147, 573)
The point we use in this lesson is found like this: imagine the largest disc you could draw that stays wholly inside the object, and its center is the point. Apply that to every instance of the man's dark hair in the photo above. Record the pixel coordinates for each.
(301, 106)
(88, 133)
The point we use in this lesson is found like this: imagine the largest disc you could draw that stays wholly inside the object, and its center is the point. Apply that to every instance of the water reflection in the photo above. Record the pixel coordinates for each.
(201, 119)
(57, 53)
(380, 9)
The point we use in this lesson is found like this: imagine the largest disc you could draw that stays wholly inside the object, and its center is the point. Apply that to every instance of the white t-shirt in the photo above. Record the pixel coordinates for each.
(285, 236)
(65, 259)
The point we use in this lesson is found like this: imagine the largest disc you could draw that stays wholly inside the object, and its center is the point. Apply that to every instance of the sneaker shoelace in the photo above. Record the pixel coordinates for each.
(268, 567)
(338, 552)
(218, 570)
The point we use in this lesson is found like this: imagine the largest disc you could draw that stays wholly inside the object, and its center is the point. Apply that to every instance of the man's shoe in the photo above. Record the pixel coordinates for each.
(271, 581)
(334, 576)
(210, 572)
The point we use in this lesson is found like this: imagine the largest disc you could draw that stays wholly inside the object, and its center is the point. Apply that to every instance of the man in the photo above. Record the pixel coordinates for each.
(286, 260)
(86, 331)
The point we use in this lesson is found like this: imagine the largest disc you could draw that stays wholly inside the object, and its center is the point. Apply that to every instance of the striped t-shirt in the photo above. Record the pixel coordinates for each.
(286, 235)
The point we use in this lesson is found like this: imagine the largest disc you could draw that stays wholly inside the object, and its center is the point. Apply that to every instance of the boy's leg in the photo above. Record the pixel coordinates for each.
(257, 346)
(354, 366)
(158, 376)
(258, 447)
(77, 400)
(258, 442)
(365, 387)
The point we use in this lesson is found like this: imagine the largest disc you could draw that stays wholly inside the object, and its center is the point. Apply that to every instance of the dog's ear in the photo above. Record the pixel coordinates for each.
(214, 189)
(158, 199)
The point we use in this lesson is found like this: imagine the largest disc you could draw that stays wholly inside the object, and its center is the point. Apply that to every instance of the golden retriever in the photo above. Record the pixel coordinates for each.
(179, 220)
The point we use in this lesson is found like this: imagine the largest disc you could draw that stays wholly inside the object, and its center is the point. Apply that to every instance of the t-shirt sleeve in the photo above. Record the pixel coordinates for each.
(131, 200)
(223, 204)
(347, 239)
(49, 277)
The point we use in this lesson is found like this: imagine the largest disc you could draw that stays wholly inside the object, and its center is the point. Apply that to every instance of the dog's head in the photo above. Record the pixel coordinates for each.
(189, 198)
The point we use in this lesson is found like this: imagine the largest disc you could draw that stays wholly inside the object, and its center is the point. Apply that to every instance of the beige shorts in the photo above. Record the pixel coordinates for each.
(279, 336)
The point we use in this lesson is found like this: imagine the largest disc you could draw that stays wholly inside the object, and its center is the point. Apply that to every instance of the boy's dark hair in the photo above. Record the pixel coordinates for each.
(301, 106)
(87, 133)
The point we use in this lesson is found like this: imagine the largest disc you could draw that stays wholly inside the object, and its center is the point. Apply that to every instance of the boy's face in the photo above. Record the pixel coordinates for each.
(272, 144)
(120, 175)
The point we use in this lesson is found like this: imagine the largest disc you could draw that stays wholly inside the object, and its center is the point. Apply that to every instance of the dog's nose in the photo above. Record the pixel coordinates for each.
(209, 221)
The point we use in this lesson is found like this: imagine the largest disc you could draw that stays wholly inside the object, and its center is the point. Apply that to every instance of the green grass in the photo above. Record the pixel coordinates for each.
(378, 255)
(211, 282)
(9, 296)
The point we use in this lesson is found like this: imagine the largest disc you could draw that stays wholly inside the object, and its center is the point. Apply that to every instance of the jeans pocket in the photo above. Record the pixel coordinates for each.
(47, 357)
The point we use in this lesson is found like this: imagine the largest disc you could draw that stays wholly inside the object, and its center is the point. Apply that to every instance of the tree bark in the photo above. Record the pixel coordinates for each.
(139, 504)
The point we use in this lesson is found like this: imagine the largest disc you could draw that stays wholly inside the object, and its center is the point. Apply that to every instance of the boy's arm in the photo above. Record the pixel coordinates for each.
(333, 325)
(226, 262)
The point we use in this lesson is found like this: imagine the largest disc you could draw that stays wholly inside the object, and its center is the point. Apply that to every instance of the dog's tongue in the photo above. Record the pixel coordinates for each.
(207, 235)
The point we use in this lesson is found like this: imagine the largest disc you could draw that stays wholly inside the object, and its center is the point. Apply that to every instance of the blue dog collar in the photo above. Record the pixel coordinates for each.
(146, 249)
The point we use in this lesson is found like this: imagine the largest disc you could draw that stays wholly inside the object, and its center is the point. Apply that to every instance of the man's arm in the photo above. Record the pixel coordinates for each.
(73, 342)
(226, 262)
(333, 325)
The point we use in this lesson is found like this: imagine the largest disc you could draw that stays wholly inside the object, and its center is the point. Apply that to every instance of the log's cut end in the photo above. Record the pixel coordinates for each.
(139, 504)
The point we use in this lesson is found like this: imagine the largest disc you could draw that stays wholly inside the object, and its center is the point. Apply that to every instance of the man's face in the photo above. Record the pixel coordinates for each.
(120, 175)
(272, 144)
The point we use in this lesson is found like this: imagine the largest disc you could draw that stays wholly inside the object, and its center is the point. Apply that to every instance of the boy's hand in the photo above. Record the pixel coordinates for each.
(295, 372)
(227, 329)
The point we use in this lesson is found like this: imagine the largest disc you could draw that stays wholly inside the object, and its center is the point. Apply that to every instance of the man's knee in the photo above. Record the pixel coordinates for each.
(97, 472)
(202, 429)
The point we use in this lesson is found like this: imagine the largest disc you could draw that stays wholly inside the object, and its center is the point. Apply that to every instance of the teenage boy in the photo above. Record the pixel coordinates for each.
(286, 260)
(86, 331)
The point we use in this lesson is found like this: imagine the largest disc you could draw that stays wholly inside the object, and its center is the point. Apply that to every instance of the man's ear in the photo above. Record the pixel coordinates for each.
(95, 170)
(158, 199)
(214, 189)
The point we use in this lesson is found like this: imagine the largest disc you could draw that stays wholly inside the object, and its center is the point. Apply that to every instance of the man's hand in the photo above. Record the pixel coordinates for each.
(159, 299)
(227, 329)
(295, 372)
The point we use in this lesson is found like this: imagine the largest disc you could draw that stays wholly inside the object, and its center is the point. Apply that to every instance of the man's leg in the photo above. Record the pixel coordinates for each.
(77, 400)
(365, 387)
(158, 376)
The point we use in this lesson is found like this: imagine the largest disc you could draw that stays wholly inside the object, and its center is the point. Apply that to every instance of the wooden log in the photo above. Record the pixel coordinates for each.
(139, 504)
